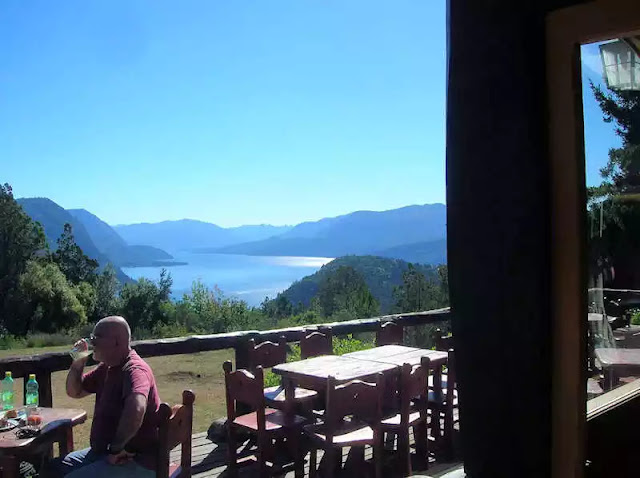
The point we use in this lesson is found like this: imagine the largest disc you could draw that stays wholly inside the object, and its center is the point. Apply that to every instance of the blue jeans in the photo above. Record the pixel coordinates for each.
(86, 463)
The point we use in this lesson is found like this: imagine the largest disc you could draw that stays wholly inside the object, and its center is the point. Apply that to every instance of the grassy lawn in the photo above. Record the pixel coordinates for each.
(200, 372)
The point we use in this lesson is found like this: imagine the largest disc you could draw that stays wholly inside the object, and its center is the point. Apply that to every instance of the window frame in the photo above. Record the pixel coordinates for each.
(566, 30)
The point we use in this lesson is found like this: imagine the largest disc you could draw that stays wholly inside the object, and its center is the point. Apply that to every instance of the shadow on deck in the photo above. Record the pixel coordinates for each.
(209, 460)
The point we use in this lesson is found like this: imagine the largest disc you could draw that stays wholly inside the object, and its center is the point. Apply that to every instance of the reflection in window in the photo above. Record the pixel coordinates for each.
(611, 89)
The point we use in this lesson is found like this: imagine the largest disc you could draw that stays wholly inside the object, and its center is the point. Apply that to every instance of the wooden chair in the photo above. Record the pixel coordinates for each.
(174, 428)
(266, 355)
(413, 394)
(266, 424)
(389, 333)
(362, 402)
(443, 405)
(317, 343)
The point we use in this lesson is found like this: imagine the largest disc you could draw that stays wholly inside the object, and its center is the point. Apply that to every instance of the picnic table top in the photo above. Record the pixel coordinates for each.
(341, 367)
(609, 357)
(52, 420)
(399, 355)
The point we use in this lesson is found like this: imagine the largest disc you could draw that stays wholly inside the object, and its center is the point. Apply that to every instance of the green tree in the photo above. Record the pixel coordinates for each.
(75, 264)
(345, 291)
(277, 308)
(614, 205)
(146, 304)
(417, 293)
(206, 310)
(86, 294)
(20, 240)
(49, 302)
(106, 287)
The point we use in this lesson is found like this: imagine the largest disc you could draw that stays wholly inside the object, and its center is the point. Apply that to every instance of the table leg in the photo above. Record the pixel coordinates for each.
(66, 441)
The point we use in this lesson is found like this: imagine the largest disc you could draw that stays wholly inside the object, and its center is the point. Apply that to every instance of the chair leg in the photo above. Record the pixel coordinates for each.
(313, 459)
(404, 452)
(448, 434)
(262, 457)
(330, 461)
(293, 443)
(378, 448)
(422, 443)
(232, 451)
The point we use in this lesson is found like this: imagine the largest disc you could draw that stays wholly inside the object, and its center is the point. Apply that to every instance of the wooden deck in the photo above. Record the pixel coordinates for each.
(209, 461)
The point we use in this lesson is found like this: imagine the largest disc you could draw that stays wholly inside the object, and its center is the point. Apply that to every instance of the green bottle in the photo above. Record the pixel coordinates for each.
(32, 395)
(7, 391)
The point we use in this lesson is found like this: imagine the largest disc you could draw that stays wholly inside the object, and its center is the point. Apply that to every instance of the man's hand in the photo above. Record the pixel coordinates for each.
(120, 458)
(81, 345)
(74, 377)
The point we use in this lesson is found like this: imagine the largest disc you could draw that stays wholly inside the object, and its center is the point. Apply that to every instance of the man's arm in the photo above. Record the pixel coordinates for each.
(74, 379)
(135, 406)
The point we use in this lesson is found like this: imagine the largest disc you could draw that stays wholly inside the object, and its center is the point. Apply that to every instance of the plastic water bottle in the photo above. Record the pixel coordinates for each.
(7, 391)
(32, 398)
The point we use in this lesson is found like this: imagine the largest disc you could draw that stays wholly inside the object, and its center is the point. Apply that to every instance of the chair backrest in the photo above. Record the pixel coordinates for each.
(414, 384)
(451, 378)
(245, 387)
(414, 379)
(267, 354)
(362, 400)
(316, 343)
(174, 428)
(389, 333)
(442, 341)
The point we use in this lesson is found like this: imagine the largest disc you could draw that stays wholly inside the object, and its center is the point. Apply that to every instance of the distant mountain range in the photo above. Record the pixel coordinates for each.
(109, 242)
(381, 275)
(189, 235)
(415, 233)
(52, 217)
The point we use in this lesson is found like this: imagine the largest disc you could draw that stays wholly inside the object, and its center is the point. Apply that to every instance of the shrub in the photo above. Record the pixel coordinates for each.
(48, 340)
(8, 342)
(635, 317)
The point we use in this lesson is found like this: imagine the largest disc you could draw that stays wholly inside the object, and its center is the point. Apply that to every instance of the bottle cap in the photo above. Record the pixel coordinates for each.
(32, 376)
(7, 374)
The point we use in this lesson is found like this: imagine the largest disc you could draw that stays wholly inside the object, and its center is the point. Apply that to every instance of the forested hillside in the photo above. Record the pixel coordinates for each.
(380, 274)
(53, 218)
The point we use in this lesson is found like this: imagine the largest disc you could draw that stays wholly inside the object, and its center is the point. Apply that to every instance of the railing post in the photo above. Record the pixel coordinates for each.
(44, 387)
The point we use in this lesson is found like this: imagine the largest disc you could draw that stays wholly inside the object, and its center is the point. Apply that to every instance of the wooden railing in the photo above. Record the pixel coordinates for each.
(43, 365)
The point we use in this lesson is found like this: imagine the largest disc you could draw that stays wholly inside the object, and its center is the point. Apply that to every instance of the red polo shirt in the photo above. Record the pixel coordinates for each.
(112, 386)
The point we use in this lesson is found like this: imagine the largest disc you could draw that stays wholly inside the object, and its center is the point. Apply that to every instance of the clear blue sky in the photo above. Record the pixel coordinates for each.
(234, 112)
(599, 136)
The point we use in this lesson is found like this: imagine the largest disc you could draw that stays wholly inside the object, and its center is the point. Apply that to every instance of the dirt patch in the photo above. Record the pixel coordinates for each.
(182, 375)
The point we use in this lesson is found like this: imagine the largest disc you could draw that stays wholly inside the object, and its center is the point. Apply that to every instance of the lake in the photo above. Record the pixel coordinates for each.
(250, 278)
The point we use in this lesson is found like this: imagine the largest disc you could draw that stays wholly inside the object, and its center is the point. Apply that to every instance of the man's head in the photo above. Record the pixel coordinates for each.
(112, 338)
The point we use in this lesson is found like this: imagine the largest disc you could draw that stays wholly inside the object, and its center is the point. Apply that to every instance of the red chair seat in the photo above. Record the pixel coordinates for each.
(174, 470)
(441, 400)
(394, 421)
(349, 434)
(276, 394)
(444, 381)
(274, 420)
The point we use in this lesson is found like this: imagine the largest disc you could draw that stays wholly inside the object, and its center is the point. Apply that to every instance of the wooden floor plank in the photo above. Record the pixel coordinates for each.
(209, 460)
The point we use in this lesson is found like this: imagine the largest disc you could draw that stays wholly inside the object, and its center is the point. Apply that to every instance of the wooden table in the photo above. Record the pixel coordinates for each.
(57, 427)
(312, 373)
(399, 355)
(618, 362)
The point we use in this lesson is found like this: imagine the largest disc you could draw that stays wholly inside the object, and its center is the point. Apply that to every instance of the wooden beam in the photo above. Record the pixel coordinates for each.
(22, 366)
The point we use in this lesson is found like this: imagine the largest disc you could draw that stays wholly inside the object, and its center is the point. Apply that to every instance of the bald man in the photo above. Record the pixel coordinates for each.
(124, 428)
